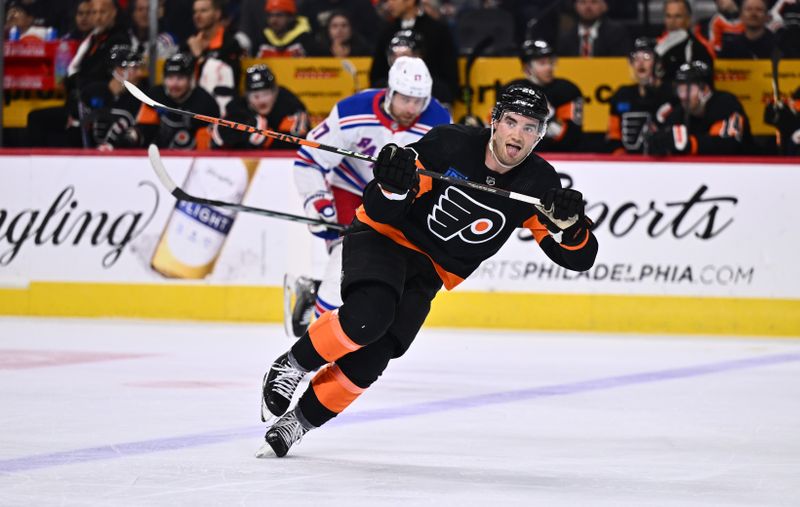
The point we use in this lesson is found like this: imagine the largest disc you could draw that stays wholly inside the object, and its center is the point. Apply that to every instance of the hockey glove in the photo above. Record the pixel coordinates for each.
(561, 209)
(670, 140)
(396, 169)
(778, 115)
(319, 206)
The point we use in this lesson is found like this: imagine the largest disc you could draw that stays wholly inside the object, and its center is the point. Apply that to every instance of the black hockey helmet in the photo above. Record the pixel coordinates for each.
(644, 44)
(179, 63)
(259, 77)
(407, 39)
(124, 55)
(533, 49)
(522, 99)
(697, 72)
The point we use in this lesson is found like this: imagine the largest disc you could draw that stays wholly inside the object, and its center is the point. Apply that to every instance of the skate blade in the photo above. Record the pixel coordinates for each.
(265, 452)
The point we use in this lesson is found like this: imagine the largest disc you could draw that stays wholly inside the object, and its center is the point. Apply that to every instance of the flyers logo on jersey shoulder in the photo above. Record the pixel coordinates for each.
(458, 215)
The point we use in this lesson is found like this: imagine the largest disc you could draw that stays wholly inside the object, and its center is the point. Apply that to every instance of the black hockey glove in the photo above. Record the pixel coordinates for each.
(778, 115)
(561, 209)
(396, 169)
(661, 142)
(563, 215)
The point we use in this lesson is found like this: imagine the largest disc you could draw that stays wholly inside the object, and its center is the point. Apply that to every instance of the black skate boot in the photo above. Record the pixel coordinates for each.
(279, 385)
(300, 296)
(283, 434)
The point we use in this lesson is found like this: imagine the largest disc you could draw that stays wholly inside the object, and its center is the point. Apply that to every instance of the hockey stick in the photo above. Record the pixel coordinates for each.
(468, 94)
(180, 194)
(140, 95)
(775, 59)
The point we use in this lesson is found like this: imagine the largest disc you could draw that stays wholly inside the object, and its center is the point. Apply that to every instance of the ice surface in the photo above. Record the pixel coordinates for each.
(159, 413)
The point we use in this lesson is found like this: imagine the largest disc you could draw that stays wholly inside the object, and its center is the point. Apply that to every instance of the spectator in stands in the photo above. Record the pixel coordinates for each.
(64, 126)
(442, 62)
(111, 109)
(632, 109)
(82, 21)
(564, 98)
(216, 52)
(722, 25)
(265, 106)
(174, 131)
(756, 41)
(678, 45)
(166, 45)
(339, 40)
(363, 17)
(287, 34)
(178, 18)
(700, 120)
(594, 35)
(20, 15)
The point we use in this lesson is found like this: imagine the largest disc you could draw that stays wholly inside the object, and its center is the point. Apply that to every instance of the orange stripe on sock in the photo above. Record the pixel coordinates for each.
(329, 339)
(333, 389)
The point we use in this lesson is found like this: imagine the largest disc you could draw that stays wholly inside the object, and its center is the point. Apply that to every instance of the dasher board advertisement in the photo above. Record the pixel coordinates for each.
(671, 228)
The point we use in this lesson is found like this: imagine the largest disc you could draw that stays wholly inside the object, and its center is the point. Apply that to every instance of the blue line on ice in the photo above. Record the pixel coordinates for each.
(125, 449)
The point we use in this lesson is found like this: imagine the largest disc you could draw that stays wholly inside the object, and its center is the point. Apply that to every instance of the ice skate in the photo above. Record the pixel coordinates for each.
(299, 297)
(283, 434)
(279, 385)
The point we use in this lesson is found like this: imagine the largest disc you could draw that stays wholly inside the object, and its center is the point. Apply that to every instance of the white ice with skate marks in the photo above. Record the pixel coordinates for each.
(127, 413)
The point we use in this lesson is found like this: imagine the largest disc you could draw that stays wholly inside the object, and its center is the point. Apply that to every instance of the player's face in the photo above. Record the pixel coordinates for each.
(262, 101)
(405, 109)
(676, 17)
(690, 96)
(204, 14)
(515, 136)
(177, 86)
(542, 69)
(642, 65)
(132, 73)
(398, 51)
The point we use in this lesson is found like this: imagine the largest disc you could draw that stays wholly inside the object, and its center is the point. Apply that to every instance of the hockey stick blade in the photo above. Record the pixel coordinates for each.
(140, 95)
(180, 194)
(158, 167)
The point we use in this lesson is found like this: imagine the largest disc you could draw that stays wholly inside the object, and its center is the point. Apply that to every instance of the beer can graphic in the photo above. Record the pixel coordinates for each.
(195, 233)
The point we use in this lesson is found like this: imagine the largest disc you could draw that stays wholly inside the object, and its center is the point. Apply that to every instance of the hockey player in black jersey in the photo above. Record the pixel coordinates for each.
(785, 117)
(110, 109)
(169, 130)
(632, 108)
(414, 234)
(265, 106)
(700, 120)
(564, 98)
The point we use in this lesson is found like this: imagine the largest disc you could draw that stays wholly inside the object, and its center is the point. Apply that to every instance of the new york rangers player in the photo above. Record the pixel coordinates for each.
(331, 185)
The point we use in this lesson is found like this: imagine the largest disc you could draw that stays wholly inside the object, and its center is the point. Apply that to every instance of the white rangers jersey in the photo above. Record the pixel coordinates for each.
(357, 123)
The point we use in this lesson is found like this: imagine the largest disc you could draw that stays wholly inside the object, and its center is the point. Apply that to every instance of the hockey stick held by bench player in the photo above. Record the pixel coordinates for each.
(180, 194)
(141, 96)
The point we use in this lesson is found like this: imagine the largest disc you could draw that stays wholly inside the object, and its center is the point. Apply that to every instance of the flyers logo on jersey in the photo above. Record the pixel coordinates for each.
(457, 214)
